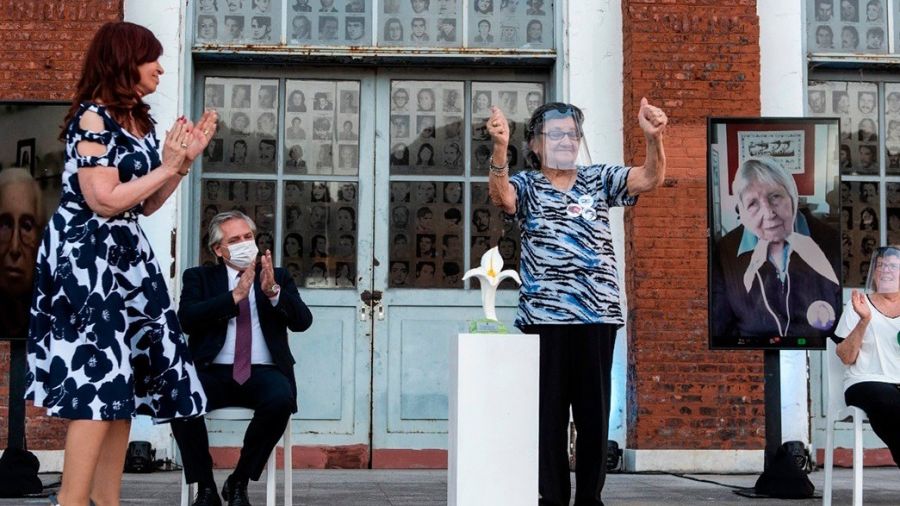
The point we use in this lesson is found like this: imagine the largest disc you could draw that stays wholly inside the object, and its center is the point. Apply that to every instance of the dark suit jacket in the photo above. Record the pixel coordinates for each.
(207, 305)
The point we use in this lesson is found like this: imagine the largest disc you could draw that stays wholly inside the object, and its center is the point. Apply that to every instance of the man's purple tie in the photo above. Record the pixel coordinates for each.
(243, 342)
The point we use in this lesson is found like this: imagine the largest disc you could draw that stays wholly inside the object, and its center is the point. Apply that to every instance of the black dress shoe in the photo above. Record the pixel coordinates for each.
(235, 492)
(207, 496)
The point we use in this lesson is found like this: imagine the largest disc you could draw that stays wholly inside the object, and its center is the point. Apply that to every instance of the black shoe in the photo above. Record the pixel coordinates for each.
(207, 496)
(235, 492)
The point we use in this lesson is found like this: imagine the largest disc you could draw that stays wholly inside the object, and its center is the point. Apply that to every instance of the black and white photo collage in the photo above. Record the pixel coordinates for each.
(517, 101)
(321, 133)
(254, 198)
(426, 132)
(246, 140)
(892, 118)
(432, 23)
(511, 23)
(860, 219)
(428, 232)
(238, 22)
(319, 230)
(856, 104)
(847, 26)
(329, 22)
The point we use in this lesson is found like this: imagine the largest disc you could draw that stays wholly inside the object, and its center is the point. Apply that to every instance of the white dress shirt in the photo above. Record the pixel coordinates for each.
(259, 351)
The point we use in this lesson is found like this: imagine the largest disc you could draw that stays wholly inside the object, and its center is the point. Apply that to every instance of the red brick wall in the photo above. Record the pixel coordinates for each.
(42, 44)
(694, 58)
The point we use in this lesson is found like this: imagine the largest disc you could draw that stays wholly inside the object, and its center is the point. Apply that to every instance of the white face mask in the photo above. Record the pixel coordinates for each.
(243, 254)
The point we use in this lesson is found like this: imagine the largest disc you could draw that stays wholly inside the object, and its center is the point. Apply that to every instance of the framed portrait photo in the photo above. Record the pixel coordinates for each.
(775, 267)
(25, 154)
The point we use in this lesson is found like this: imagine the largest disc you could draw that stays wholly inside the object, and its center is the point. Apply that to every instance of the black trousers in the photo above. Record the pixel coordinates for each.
(881, 402)
(268, 393)
(576, 364)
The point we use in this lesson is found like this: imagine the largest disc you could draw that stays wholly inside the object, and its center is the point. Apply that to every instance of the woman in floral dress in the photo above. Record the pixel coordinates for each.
(104, 344)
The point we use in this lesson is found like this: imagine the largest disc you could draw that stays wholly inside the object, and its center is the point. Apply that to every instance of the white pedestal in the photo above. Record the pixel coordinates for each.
(493, 457)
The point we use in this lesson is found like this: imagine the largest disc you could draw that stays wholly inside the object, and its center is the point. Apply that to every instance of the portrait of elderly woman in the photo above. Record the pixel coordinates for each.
(775, 272)
(20, 232)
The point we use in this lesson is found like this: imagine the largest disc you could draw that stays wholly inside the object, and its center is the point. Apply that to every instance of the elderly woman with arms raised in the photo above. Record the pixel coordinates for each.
(777, 272)
(104, 344)
(870, 327)
(569, 294)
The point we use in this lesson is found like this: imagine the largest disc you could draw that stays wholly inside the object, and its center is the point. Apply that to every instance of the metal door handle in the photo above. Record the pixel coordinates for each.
(379, 311)
(364, 312)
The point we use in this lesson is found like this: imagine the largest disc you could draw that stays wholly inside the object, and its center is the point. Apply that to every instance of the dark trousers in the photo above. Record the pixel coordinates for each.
(881, 402)
(576, 363)
(268, 393)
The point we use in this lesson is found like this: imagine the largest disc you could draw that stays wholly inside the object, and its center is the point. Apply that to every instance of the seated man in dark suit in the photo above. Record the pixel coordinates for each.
(237, 315)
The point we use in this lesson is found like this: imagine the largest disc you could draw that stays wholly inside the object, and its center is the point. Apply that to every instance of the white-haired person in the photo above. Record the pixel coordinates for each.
(776, 273)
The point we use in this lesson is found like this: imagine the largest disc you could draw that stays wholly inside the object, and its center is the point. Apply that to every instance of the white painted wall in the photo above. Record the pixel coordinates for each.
(594, 83)
(165, 18)
(783, 93)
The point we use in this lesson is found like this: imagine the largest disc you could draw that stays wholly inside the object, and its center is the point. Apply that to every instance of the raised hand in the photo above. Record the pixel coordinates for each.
(201, 133)
(498, 127)
(652, 119)
(176, 144)
(245, 283)
(267, 274)
(860, 305)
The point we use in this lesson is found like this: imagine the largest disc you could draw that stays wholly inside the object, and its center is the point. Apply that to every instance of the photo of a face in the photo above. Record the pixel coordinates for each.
(207, 27)
(355, 28)
(328, 28)
(393, 30)
(399, 99)
(301, 29)
(260, 28)
(824, 37)
(418, 30)
(234, 27)
(866, 102)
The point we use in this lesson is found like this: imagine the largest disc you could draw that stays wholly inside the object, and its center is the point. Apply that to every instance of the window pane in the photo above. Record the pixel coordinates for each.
(489, 228)
(893, 213)
(517, 101)
(526, 24)
(892, 118)
(252, 197)
(319, 234)
(847, 26)
(317, 130)
(426, 127)
(238, 21)
(856, 104)
(420, 23)
(859, 228)
(246, 138)
(329, 22)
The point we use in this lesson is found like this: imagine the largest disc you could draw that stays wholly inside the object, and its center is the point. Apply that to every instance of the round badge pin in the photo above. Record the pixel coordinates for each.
(589, 214)
(586, 201)
(573, 210)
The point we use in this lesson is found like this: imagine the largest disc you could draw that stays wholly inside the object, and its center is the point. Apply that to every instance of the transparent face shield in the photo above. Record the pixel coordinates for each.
(560, 143)
(884, 271)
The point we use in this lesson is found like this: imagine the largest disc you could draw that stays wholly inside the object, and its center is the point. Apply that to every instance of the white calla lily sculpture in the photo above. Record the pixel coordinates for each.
(490, 275)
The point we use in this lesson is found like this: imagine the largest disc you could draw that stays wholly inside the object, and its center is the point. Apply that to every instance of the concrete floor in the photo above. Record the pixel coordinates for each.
(426, 488)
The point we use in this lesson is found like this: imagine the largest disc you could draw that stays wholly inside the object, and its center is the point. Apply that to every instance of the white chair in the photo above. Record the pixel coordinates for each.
(838, 411)
(243, 414)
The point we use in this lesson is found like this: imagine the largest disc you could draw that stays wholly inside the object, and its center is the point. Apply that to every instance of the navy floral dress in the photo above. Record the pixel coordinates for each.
(104, 343)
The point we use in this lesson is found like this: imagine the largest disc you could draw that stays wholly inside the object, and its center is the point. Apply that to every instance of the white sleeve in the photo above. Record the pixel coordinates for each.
(849, 319)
